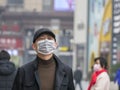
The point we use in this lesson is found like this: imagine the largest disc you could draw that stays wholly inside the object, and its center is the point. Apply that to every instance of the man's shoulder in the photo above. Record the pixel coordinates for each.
(59, 61)
(66, 67)
(61, 64)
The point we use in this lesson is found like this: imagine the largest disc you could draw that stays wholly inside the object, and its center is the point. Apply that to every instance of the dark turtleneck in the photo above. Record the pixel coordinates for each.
(46, 69)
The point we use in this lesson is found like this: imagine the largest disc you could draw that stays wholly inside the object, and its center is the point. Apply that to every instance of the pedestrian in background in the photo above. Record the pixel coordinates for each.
(7, 71)
(46, 72)
(117, 78)
(100, 79)
(78, 77)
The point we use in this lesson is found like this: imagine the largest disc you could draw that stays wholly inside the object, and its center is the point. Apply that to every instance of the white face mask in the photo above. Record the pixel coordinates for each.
(46, 46)
(96, 67)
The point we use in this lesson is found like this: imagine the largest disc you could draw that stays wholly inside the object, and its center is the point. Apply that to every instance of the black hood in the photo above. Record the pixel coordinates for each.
(6, 67)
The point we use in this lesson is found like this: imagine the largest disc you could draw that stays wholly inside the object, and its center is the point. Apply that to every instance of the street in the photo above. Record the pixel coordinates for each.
(85, 85)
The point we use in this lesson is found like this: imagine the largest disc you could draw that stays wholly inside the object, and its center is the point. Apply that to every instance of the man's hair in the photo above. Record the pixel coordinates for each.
(4, 55)
(103, 62)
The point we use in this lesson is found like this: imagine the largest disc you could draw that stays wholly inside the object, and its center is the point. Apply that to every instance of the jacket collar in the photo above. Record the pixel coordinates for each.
(60, 71)
(59, 64)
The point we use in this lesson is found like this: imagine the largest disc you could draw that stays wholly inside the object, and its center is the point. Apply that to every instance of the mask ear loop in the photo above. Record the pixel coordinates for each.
(57, 45)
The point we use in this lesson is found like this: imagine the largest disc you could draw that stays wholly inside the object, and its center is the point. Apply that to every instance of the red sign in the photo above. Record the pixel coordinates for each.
(14, 27)
(11, 42)
(4, 27)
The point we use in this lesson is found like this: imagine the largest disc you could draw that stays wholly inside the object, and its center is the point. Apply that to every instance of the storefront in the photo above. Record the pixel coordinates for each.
(12, 41)
(99, 30)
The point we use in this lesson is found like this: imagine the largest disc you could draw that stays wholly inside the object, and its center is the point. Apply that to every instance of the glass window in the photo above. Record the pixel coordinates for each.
(15, 1)
(15, 5)
(47, 5)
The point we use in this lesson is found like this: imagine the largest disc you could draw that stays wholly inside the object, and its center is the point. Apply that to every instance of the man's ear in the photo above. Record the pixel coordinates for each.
(56, 44)
(34, 47)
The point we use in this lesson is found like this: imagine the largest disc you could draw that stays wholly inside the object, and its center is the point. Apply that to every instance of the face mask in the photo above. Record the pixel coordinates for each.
(46, 46)
(96, 67)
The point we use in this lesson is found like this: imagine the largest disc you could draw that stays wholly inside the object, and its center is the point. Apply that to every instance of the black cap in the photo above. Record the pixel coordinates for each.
(41, 31)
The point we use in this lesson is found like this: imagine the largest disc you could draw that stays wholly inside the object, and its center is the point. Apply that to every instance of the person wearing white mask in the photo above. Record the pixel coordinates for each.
(100, 79)
(46, 72)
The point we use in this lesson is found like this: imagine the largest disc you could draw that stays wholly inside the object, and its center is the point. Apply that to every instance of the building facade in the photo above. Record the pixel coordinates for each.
(20, 18)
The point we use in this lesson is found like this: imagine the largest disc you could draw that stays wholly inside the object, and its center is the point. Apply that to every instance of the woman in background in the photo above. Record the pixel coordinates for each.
(100, 79)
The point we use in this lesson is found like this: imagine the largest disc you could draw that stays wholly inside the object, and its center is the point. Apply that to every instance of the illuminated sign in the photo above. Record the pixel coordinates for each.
(63, 5)
(116, 31)
(10, 42)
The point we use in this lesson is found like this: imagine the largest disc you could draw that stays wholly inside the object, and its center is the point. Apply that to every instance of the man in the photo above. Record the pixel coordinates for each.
(78, 77)
(7, 71)
(100, 79)
(46, 72)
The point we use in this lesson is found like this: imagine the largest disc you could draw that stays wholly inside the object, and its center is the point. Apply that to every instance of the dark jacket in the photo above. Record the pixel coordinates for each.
(78, 75)
(28, 79)
(7, 74)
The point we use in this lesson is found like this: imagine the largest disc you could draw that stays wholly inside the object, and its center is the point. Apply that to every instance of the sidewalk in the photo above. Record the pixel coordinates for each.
(113, 86)
(85, 85)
